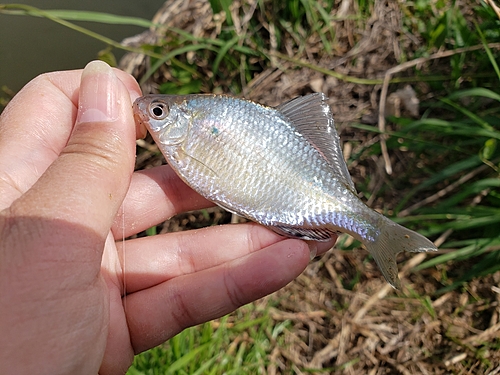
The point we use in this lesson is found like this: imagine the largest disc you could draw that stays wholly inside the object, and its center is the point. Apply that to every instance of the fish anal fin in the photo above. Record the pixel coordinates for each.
(311, 116)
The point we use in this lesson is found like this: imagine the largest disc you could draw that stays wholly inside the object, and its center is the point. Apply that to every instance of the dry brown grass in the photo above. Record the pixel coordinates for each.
(372, 329)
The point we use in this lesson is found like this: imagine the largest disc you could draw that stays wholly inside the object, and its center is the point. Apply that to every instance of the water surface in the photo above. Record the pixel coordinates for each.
(30, 46)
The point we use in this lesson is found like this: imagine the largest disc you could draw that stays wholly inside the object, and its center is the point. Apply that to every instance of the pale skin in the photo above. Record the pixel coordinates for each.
(68, 197)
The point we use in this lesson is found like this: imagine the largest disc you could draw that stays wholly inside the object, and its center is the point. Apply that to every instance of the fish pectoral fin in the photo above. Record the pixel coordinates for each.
(311, 116)
(304, 234)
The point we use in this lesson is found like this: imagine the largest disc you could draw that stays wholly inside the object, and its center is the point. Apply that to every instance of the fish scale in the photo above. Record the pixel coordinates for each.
(281, 167)
(248, 143)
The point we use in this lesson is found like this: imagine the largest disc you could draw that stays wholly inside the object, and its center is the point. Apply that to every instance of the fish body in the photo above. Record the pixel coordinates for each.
(281, 167)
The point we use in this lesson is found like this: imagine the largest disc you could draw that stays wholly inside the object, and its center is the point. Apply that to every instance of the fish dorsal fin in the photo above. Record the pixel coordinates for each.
(310, 115)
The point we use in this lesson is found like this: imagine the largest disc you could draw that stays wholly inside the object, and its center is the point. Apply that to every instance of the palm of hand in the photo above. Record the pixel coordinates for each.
(68, 193)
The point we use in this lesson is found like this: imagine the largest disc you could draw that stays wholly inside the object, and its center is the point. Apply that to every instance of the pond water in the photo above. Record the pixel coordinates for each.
(30, 46)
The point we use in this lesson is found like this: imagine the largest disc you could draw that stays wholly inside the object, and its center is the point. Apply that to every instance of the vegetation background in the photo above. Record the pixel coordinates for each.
(415, 89)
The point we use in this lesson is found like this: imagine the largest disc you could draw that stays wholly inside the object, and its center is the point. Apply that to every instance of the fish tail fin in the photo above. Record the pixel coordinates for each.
(392, 240)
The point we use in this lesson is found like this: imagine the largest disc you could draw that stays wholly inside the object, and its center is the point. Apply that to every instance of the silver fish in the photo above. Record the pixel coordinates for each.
(281, 167)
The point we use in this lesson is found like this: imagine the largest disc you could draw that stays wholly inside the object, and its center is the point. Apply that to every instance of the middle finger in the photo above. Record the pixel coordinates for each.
(149, 261)
(154, 196)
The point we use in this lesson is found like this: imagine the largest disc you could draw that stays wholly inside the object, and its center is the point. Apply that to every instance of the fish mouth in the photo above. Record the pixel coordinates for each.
(140, 115)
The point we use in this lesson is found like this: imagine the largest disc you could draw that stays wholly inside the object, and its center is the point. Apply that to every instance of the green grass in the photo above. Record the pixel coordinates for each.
(464, 139)
(456, 140)
(239, 345)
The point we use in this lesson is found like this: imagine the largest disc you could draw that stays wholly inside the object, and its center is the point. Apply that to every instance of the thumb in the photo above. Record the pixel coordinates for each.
(87, 183)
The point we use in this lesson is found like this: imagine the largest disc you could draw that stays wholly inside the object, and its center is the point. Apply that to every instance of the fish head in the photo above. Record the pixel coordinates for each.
(163, 116)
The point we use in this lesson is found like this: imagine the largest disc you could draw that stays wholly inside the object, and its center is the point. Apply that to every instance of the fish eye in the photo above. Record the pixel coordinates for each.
(158, 110)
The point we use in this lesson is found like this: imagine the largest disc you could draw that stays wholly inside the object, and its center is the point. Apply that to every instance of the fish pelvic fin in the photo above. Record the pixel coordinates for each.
(320, 234)
(393, 240)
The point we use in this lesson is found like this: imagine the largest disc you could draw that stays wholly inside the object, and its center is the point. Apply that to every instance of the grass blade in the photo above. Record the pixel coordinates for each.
(222, 52)
(186, 359)
(488, 51)
(33, 11)
(479, 247)
(80, 15)
(477, 91)
(169, 56)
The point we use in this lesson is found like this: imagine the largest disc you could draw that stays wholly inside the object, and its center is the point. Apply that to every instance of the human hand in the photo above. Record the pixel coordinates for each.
(76, 298)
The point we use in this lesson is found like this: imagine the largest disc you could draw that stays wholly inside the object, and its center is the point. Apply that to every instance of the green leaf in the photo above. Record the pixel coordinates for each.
(222, 52)
(108, 57)
(222, 5)
(489, 149)
(489, 264)
(151, 231)
(477, 91)
(479, 247)
(488, 51)
(75, 15)
(186, 358)
(21, 9)
(206, 365)
(469, 114)
(438, 34)
(172, 54)
(174, 88)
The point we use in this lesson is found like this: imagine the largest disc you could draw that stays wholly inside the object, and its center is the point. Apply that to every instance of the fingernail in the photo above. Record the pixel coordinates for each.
(97, 101)
(134, 95)
(313, 249)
